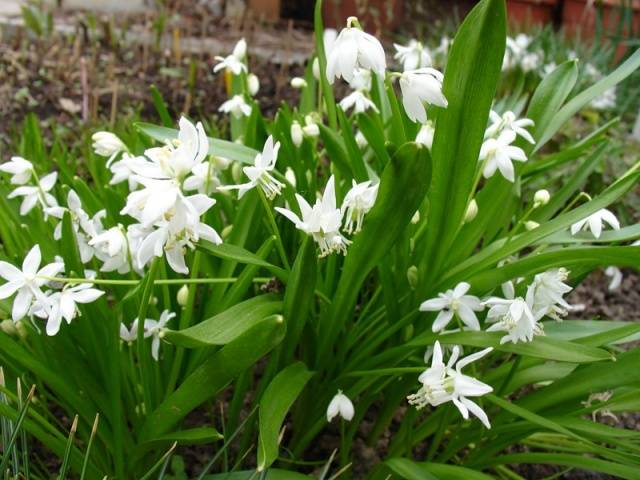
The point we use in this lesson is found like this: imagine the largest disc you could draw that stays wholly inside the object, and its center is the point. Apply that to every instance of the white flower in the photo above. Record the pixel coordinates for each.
(26, 282)
(296, 134)
(20, 170)
(358, 101)
(63, 304)
(340, 405)
(357, 203)
(442, 383)
(354, 48)
(514, 316)
(260, 172)
(154, 328)
(329, 39)
(129, 335)
(425, 134)
(498, 153)
(616, 277)
(122, 171)
(530, 61)
(361, 80)
(234, 62)
(310, 128)
(413, 55)
(595, 222)
(361, 140)
(606, 101)
(454, 302)
(107, 144)
(31, 195)
(546, 291)
(177, 231)
(298, 83)
(420, 86)
(549, 68)
(236, 106)
(203, 179)
(112, 248)
(322, 221)
(509, 122)
(150, 204)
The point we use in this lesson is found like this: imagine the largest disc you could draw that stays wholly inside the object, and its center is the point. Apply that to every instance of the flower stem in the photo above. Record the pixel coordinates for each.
(274, 229)
(166, 281)
(143, 355)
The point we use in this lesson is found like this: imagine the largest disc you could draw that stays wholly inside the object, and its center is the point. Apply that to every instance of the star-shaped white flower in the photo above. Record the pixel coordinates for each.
(234, 62)
(442, 383)
(352, 49)
(31, 195)
(418, 87)
(27, 282)
(413, 55)
(509, 121)
(358, 101)
(20, 170)
(498, 154)
(322, 221)
(260, 172)
(454, 302)
(236, 106)
(154, 328)
(357, 203)
(63, 305)
(515, 317)
(595, 222)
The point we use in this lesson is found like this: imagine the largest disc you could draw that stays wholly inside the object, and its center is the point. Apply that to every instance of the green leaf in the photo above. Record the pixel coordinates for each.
(161, 106)
(274, 405)
(272, 474)
(429, 470)
(403, 185)
(228, 325)
(69, 246)
(354, 154)
(583, 98)
(238, 254)
(541, 347)
(213, 375)
(470, 81)
(219, 148)
(336, 150)
(550, 95)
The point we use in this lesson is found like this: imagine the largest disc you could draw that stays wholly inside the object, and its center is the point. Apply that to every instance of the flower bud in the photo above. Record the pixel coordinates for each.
(236, 172)
(290, 176)
(153, 301)
(298, 82)
(22, 330)
(316, 68)
(226, 231)
(540, 198)
(107, 144)
(297, 135)
(311, 130)
(253, 84)
(9, 327)
(416, 217)
(220, 163)
(240, 50)
(472, 211)
(183, 296)
(412, 276)
(530, 225)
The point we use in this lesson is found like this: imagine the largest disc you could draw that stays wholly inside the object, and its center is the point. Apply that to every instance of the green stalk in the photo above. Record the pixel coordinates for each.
(274, 229)
(94, 429)
(323, 84)
(143, 355)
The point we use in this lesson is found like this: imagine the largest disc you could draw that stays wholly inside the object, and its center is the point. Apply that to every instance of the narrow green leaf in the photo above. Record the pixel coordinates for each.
(274, 405)
(429, 470)
(238, 254)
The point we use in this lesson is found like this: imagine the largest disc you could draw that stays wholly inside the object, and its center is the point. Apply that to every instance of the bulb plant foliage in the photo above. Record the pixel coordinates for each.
(392, 257)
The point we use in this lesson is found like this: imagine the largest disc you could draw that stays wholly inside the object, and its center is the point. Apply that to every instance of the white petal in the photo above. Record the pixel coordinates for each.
(442, 320)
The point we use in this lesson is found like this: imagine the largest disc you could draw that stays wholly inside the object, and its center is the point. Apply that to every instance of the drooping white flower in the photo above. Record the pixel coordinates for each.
(616, 277)
(357, 203)
(418, 87)
(234, 62)
(236, 106)
(546, 293)
(340, 405)
(107, 144)
(129, 335)
(595, 222)
(20, 170)
(413, 55)
(358, 101)
(311, 128)
(498, 154)
(298, 83)
(322, 221)
(27, 282)
(32, 195)
(329, 39)
(260, 172)
(253, 84)
(454, 302)
(361, 80)
(354, 48)
(509, 122)
(515, 317)
(425, 134)
(63, 305)
(442, 383)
